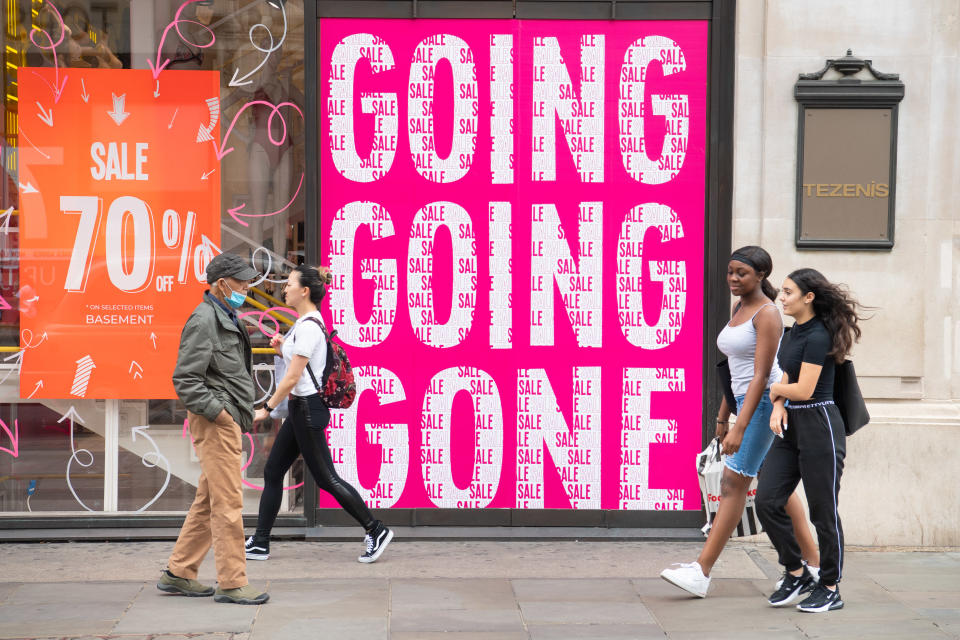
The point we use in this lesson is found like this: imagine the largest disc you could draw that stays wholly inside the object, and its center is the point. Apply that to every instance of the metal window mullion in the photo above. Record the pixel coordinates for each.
(312, 226)
(111, 454)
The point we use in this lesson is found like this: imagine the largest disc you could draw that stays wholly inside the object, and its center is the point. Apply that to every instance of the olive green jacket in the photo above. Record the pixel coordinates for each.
(214, 365)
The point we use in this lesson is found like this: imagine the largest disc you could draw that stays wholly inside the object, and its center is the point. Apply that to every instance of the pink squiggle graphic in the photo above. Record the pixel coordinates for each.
(235, 211)
(224, 150)
(264, 315)
(275, 112)
(56, 87)
(247, 483)
(14, 437)
(158, 67)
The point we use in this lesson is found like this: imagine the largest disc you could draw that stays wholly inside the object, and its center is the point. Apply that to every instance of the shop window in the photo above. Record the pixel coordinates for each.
(132, 455)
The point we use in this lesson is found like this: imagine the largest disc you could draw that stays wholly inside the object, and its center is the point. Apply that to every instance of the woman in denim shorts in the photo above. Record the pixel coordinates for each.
(750, 341)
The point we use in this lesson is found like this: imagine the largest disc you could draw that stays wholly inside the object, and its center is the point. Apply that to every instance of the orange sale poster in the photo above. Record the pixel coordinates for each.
(120, 214)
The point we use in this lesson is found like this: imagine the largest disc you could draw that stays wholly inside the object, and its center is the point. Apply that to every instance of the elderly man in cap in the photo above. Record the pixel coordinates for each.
(213, 380)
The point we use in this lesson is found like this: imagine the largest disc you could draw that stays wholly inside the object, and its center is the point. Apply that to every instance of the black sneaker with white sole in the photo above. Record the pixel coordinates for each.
(821, 599)
(376, 541)
(791, 588)
(257, 549)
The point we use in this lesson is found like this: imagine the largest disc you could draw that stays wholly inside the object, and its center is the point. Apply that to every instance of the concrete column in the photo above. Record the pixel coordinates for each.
(143, 34)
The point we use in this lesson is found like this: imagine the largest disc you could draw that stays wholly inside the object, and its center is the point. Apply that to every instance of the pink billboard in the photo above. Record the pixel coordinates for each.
(514, 215)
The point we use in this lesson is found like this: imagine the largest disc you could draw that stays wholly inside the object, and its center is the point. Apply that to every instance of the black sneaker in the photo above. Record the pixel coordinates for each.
(257, 549)
(822, 599)
(376, 541)
(791, 588)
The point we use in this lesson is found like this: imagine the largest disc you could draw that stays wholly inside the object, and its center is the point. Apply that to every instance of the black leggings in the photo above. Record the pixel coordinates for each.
(304, 433)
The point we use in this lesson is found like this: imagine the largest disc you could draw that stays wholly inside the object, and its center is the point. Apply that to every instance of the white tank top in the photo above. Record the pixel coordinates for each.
(739, 344)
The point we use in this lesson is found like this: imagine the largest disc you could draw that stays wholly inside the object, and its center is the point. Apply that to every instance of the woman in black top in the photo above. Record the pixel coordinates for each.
(812, 443)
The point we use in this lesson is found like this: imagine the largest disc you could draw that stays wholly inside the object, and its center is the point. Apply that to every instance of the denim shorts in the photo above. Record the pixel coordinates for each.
(757, 439)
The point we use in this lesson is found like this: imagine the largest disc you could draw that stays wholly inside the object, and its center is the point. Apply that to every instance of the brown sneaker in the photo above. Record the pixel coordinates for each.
(172, 584)
(241, 595)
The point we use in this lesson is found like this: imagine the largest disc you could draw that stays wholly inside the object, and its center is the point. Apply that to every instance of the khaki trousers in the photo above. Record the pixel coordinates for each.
(216, 515)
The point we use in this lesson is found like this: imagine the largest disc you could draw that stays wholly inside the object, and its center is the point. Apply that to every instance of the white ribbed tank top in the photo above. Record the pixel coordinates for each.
(739, 344)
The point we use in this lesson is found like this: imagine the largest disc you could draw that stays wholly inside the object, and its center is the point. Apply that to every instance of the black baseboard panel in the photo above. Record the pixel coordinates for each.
(519, 518)
(514, 534)
(419, 524)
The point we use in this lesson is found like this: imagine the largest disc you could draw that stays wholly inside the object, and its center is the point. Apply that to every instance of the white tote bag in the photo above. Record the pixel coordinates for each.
(709, 472)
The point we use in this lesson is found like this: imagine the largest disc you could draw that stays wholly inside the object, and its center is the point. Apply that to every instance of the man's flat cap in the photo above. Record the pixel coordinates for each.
(229, 265)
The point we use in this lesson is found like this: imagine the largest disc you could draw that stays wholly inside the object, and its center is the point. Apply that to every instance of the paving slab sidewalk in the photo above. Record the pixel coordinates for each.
(468, 591)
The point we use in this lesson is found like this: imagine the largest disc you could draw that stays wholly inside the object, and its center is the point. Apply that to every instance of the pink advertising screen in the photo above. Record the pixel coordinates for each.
(514, 215)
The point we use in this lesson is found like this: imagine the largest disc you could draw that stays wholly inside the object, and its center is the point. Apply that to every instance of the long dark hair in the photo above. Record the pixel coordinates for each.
(315, 280)
(761, 262)
(835, 306)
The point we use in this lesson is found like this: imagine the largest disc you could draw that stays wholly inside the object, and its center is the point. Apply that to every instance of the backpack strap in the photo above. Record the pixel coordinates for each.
(326, 336)
(313, 377)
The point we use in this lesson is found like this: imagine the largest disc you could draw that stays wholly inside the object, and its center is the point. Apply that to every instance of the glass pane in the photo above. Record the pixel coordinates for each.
(258, 50)
(260, 442)
(157, 466)
(51, 460)
(159, 469)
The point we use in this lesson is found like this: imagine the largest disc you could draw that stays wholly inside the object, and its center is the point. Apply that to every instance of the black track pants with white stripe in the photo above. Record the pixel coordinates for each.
(812, 450)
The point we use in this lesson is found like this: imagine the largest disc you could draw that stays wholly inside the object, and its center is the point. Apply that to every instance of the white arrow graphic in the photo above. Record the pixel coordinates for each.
(44, 115)
(36, 388)
(175, 112)
(6, 216)
(118, 114)
(139, 370)
(207, 174)
(27, 188)
(27, 336)
(153, 338)
(73, 416)
(268, 391)
(213, 105)
(18, 360)
(83, 91)
(203, 254)
(238, 82)
(23, 134)
(155, 461)
(81, 378)
(156, 92)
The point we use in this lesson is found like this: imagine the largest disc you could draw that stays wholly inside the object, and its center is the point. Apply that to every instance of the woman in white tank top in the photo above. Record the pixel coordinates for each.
(750, 341)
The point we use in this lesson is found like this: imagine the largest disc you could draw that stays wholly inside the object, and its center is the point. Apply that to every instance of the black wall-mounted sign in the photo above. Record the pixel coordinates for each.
(847, 157)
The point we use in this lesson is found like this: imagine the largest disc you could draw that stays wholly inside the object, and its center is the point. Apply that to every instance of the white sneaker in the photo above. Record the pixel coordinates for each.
(689, 577)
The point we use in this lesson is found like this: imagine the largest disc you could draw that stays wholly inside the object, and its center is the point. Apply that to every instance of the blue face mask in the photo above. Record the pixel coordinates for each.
(236, 298)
